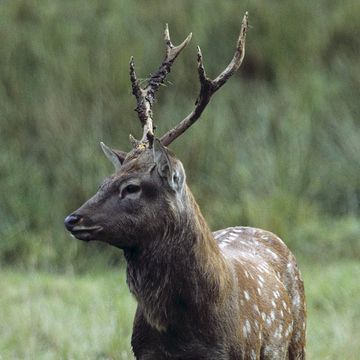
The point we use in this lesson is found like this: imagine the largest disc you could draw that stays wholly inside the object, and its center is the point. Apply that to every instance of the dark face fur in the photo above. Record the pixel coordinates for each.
(127, 209)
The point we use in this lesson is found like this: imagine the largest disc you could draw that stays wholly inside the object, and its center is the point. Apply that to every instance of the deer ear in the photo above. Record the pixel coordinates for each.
(170, 171)
(117, 157)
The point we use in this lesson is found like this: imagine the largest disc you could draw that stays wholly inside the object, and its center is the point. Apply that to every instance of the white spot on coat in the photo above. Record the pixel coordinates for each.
(296, 300)
(253, 355)
(272, 253)
(246, 328)
(278, 332)
(288, 330)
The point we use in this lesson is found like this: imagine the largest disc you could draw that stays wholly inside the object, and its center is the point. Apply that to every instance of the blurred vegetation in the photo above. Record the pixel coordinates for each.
(277, 148)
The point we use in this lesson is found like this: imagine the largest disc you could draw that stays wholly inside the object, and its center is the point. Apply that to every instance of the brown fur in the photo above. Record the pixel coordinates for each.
(232, 294)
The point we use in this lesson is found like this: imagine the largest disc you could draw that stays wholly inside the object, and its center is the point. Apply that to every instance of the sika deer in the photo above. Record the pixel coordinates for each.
(236, 293)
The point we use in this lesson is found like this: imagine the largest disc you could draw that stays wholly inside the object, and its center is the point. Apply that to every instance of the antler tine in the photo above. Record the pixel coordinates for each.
(173, 51)
(238, 57)
(145, 97)
(208, 87)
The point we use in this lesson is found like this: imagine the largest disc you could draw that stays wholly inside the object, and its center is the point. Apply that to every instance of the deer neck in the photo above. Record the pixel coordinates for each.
(182, 271)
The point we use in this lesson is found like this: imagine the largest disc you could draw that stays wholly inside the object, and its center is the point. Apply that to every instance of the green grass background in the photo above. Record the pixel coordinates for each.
(277, 148)
(89, 316)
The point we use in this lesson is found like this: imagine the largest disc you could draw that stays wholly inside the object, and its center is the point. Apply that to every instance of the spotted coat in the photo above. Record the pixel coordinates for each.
(270, 293)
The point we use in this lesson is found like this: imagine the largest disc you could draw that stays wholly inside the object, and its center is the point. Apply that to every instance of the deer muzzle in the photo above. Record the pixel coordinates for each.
(77, 227)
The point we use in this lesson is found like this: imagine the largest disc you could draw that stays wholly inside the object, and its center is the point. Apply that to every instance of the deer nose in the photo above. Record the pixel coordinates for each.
(71, 220)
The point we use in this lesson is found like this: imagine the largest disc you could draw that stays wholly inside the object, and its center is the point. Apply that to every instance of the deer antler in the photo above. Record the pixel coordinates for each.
(208, 87)
(145, 97)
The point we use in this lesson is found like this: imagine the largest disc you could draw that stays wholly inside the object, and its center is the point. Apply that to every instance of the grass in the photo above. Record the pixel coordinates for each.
(333, 293)
(48, 316)
(63, 316)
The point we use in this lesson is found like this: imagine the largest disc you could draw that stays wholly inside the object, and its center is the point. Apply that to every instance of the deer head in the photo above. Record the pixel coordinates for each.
(148, 191)
(130, 205)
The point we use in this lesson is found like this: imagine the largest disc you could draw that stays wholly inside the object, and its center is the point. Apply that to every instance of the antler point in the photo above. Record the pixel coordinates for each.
(245, 21)
(167, 34)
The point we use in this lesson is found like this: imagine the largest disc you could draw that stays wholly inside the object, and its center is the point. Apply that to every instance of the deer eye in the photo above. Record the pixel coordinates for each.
(130, 189)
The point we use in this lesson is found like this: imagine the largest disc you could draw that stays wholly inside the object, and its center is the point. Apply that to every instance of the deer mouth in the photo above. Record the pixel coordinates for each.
(85, 233)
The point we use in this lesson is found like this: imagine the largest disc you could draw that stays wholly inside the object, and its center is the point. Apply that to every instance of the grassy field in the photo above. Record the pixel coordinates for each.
(52, 316)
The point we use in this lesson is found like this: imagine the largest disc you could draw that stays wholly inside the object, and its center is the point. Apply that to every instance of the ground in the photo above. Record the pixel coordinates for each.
(89, 316)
